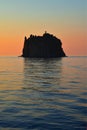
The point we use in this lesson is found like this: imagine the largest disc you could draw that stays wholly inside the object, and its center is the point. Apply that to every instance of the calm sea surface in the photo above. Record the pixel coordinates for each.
(38, 94)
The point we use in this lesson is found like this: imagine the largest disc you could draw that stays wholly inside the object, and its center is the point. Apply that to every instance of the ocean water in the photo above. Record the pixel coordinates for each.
(39, 94)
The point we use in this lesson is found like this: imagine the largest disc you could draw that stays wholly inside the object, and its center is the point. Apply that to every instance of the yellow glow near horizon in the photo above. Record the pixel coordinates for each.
(66, 21)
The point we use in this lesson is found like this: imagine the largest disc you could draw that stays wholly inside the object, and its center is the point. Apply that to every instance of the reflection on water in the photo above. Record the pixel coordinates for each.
(43, 94)
(42, 74)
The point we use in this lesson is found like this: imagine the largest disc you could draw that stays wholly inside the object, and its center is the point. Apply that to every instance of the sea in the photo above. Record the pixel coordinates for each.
(43, 94)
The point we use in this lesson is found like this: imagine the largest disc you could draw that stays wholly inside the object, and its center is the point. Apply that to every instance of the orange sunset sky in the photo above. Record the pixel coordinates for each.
(66, 19)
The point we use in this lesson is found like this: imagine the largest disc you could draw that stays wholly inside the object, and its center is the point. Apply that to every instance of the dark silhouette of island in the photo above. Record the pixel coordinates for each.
(46, 46)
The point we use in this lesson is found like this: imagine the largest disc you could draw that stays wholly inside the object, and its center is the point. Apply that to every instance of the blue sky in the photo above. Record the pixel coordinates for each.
(64, 18)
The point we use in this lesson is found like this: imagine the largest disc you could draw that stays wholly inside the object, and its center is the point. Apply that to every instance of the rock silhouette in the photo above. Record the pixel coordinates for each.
(46, 46)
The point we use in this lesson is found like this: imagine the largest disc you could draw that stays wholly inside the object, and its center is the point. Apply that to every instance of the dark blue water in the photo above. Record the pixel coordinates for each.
(38, 94)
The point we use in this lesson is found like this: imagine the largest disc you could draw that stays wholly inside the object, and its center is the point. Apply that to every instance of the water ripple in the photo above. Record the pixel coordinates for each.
(43, 94)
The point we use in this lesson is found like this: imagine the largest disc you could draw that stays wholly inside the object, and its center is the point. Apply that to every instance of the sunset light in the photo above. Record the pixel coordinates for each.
(66, 20)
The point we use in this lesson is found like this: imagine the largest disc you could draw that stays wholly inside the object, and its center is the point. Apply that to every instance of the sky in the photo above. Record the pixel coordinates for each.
(65, 19)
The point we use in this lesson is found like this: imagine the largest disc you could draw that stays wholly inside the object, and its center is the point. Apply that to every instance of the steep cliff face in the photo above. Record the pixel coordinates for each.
(46, 46)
